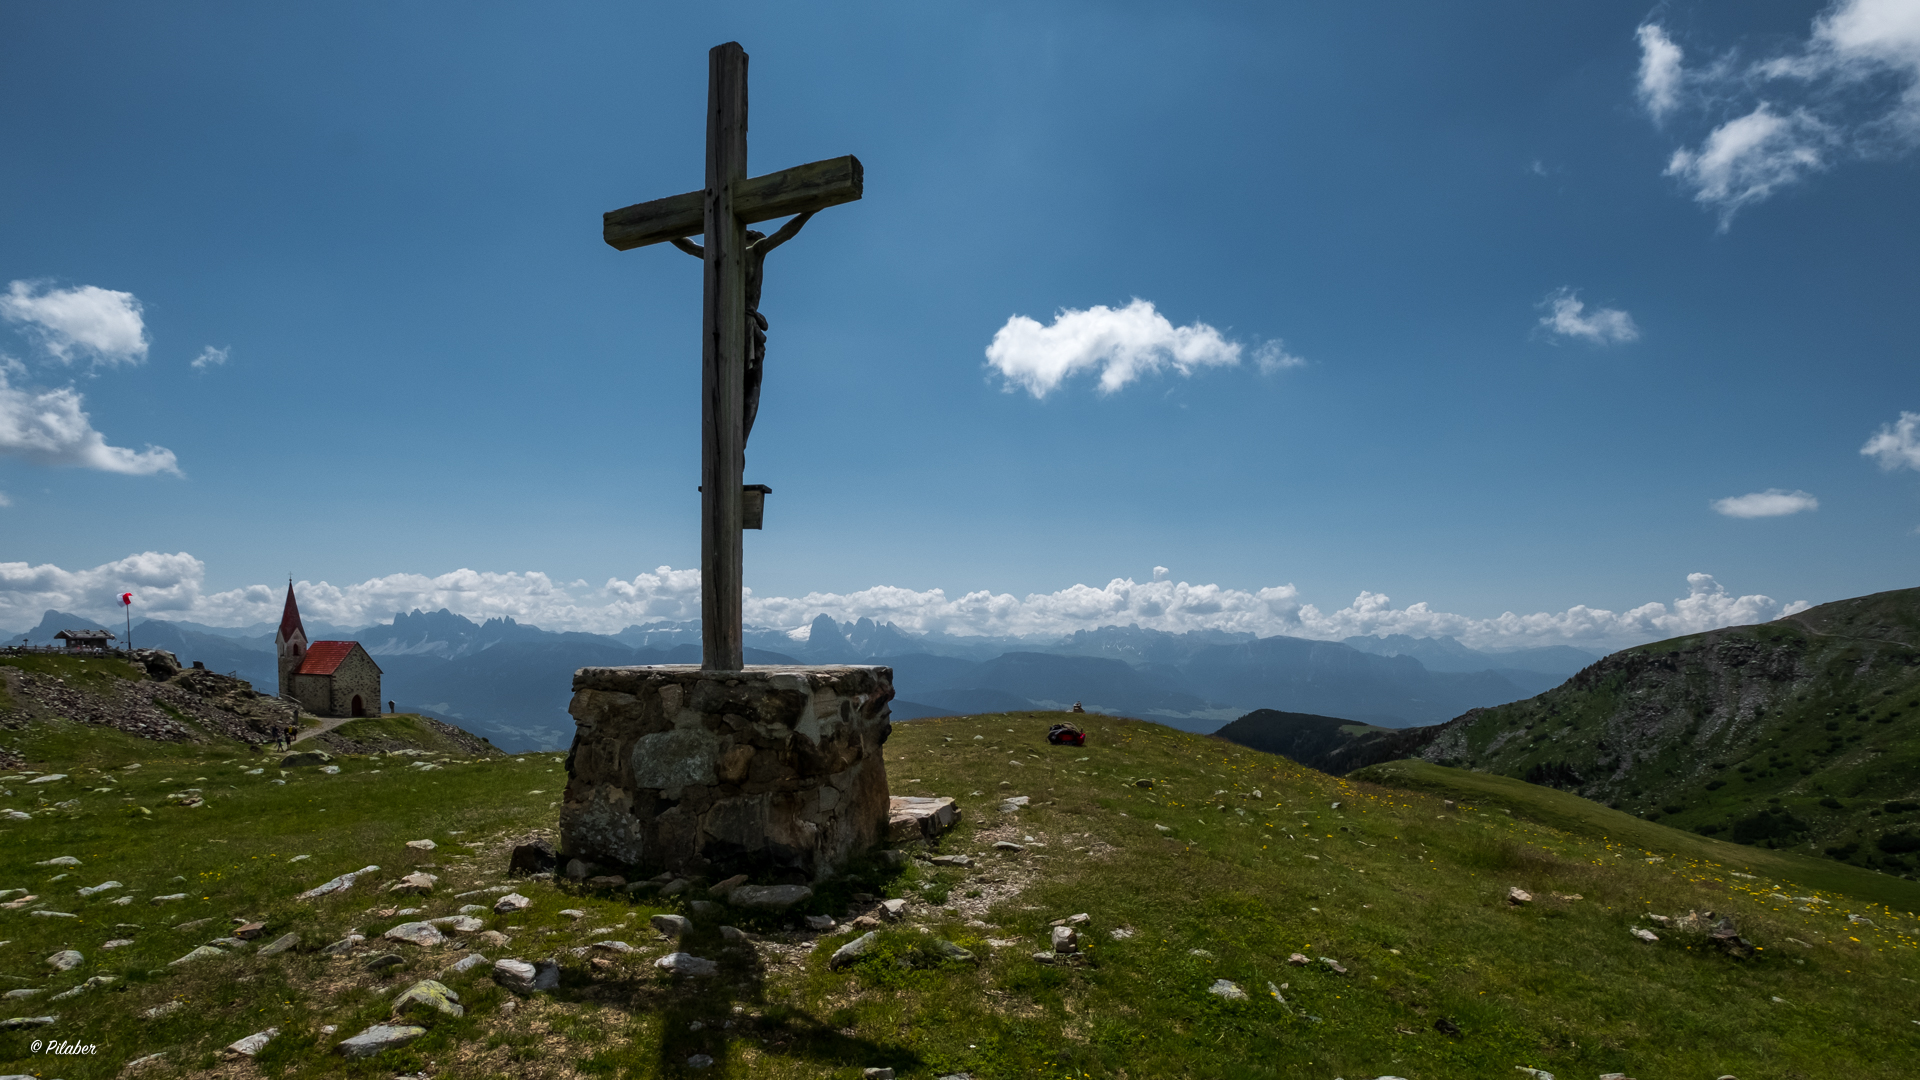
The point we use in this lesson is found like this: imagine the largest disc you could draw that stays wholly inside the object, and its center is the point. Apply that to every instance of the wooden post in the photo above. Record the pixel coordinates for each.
(723, 363)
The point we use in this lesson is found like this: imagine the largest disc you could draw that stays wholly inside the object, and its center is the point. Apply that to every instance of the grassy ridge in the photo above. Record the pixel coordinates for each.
(1213, 882)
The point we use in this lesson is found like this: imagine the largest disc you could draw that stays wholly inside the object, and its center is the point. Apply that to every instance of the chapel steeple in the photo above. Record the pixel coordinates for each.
(291, 642)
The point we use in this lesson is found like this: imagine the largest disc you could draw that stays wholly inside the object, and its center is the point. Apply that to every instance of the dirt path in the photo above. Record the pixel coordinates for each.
(327, 723)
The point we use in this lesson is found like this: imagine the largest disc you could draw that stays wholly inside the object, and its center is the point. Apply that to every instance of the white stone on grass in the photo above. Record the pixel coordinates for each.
(416, 933)
(671, 925)
(48, 779)
(54, 914)
(377, 1038)
(431, 996)
(1229, 990)
(513, 901)
(422, 845)
(279, 945)
(169, 898)
(344, 881)
(65, 960)
(680, 963)
(95, 890)
(466, 963)
(459, 924)
(202, 952)
(853, 950)
(253, 1043)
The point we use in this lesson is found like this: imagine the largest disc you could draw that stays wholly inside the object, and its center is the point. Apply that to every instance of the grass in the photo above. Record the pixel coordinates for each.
(1410, 897)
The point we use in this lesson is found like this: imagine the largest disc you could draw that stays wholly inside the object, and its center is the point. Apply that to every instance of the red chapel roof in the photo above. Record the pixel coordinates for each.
(324, 657)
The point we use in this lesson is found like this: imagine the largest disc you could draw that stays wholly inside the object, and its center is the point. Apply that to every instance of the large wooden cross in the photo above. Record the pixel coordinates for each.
(730, 202)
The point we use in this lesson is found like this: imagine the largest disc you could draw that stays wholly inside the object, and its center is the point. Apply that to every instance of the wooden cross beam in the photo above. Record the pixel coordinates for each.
(721, 212)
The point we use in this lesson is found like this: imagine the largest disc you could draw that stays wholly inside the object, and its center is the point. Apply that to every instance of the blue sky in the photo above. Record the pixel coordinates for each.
(1477, 307)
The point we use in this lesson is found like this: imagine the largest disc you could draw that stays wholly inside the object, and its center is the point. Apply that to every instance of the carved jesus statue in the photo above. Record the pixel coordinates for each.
(758, 245)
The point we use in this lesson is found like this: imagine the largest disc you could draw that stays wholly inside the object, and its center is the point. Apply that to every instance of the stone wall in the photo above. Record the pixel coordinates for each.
(772, 771)
(357, 674)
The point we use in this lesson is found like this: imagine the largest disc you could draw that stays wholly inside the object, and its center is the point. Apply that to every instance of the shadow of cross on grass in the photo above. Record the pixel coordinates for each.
(713, 1016)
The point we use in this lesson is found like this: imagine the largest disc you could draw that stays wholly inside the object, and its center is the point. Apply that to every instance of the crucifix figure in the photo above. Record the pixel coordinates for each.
(758, 245)
(733, 338)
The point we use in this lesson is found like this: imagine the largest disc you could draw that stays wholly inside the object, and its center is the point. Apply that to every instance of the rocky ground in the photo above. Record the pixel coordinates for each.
(169, 705)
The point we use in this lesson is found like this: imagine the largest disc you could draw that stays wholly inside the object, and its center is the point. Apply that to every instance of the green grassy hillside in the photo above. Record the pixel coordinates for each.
(1196, 861)
(1801, 734)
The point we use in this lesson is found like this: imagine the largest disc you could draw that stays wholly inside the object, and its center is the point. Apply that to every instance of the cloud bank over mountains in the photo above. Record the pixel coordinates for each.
(1850, 90)
(173, 586)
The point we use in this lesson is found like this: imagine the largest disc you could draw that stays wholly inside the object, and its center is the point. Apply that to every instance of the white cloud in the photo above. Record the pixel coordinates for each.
(1273, 356)
(86, 321)
(1123, 344)
(1744, 160)
(5, 501)
(1567, 316)
(1897, 444)
(1660, 70)
(1772, 502)
(1852, 89)
(174, 586)
(210, 357)
(49, 427)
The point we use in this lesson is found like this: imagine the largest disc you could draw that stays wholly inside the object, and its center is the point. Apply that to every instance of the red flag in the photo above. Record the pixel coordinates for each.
(126, 599)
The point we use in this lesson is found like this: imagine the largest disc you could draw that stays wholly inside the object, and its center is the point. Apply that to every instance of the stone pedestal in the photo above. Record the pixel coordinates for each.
(765, 771)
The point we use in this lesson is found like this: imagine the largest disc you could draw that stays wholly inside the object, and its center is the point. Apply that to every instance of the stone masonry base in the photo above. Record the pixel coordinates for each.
(772, 771)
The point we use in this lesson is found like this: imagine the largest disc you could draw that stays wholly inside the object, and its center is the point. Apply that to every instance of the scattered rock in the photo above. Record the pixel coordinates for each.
(252, 1044)
(1643, 935)
(344, 881)
(852, 950)
(699, 1061)
(820, 922)
(281, 944)
(228, 943)
(163, 1009)
(1517, 896)
(1729, 940)
(733, 935)
(1008, 845)
(203, 952)
(877, 1074)
(614, 946)
(63, 860)
(962, 861)
(23, 992)
(247, 931)
(416, 933)
(54, 914)
(769, 897)
(459, 924)
(914, 817)
(723, 888)
(428, 996)
(513, 901)
(377, 1038)
(1230, 991)
(95, 890)
(65, 960)
(385, 961)
(1333, 965)
(534, 856)
(116, 943)
(94, 983)
(1008, 806)
(1045, 957)
(495, 938)
(672, 926)
(1120, 933)
(17, 1023)
(1298, 960)
(418, 883)
(48, 779)
(305, 758)
(422, 845)
(142, 1062)
(466, 963)
(167, 899)
(1065, 939)
(680, 963)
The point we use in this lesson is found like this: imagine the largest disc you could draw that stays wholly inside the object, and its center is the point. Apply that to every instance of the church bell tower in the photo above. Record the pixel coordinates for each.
(290, 643)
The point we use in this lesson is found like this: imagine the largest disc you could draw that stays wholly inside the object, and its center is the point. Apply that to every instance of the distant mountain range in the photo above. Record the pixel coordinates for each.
(511, 682)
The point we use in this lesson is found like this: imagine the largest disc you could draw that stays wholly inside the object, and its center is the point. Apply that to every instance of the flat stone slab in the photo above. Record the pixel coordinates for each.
(917, 817)
(377, 1038)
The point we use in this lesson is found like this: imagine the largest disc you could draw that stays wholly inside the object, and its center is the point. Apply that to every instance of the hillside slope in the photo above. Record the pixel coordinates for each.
(1199, 868)
(1802, 733)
